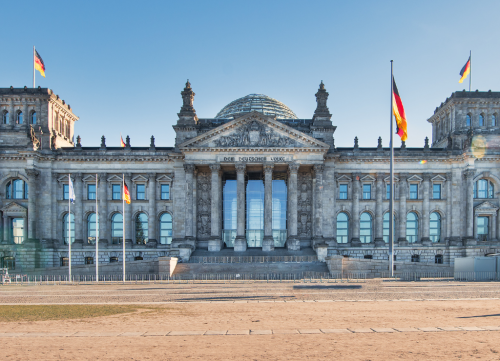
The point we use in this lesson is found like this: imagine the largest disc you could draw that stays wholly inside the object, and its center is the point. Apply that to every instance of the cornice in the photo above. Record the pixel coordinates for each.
(255, 150)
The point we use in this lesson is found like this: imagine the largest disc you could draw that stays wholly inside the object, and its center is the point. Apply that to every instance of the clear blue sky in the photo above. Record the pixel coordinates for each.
(121, 65)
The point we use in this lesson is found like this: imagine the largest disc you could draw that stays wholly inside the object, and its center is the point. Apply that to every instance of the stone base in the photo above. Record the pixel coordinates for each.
(185, 253)
(469, 241)
(214, 244)
(426, 241)
(456, 241)
(317, 240)
(379, 242)
(293, 243)
(321, 252)
(268, 244)
(151, 243)
(402, 242)
(355, 242)
(240, 244)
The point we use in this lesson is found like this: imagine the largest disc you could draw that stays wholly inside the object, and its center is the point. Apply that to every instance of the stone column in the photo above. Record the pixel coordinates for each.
(32, 182)
(475, 228)
(318, 205)
(12, 119)
(293, 242)
(426, 209)
(469, 175)
(152, 220)
(26, 117)
(55, 216)
(448, 206)
(493, 227)
(215, 241)
(403, 192)
(79, 209)
(189, 218)
(268, 242)
(240, 243)
(355, 210)
(379, 216)
(128, 216)
(102, 193)
(5, 229)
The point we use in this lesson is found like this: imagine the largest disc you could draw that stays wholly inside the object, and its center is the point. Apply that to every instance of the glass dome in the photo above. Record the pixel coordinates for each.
(256, 102)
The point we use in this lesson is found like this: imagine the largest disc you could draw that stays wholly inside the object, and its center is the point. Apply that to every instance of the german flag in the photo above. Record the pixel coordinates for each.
(122, 142)
(399, 112)
(39, 65)
(126, 193)
(465, 71)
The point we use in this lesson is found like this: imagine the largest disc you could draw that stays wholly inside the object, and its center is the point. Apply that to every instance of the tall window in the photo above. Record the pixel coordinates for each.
(91, 228)
(65, 191)
(494, 120)
(483, 228)
(140, 191)
(90, 191)
(413, 191)
(436, 191)
(343, 191)
(5, 117)
(65, 228)
(387, 191)
(481, 120)
(20, 117)
(342, 228)
(367, 191)
(412, 227)
(386, 227)
(117, 228)
(117, 191)
(17, 227)
(229, 210)
(141, 228)
(16, 189)
(438, 259)
(279, 211)
(467, 120)
(165, 228)
(483, 189)
(365, 227)
(435, 227)
(9, 262)
(165, 191)
(33, 118)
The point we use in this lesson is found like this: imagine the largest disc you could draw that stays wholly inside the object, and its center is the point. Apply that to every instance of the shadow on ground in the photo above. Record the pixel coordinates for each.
(328, 287)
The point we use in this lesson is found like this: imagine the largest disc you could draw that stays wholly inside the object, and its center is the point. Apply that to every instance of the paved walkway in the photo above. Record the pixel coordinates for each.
(254, 332)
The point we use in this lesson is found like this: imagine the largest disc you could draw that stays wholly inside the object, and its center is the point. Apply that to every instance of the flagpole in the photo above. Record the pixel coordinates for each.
(123, 241)
(96, 233)
(470, 69)
(69, 224)
(33, 67)
(391, 189)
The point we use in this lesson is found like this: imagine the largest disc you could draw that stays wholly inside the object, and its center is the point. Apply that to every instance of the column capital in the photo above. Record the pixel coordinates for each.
(102, 177)
(293, 168)
(268, 168)
(152, 176)
(427, 176)
(319, 168)
(214, 167)
(403, 176)
(127, 176)
(240, 167)
(189, 168)
(78, 177)
(356, 176)
(32, 174)
(381, 177)
(469, 173)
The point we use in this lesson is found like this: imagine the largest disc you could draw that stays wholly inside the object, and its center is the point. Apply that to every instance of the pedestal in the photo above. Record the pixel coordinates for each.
(268, 244)
(322, 252)
(293, 244)
(214, 245)
(379, 242)
(240, 244)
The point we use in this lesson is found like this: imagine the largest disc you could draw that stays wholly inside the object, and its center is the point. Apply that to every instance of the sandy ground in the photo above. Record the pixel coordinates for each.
(248, 312)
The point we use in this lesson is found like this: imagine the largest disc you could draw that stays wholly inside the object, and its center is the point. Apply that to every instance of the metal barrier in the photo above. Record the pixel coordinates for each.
(252, 259)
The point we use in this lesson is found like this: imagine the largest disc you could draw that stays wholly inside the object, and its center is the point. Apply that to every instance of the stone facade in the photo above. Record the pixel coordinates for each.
(187, 183)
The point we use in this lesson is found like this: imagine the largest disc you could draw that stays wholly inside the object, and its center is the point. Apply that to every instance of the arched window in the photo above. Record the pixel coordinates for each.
(71, 230)
(16, 189)
(91, 228)
(483, 188)
(365, 227)
(386, 227)
(342, 228)
(19, 117)
(467, 120)
(117, 228)
(141, 228)
(5, 117)
(481, 120)
(33, 118)
(438, 259)
(165, 228)
(435, 227)
(494, 120)
(412, 227)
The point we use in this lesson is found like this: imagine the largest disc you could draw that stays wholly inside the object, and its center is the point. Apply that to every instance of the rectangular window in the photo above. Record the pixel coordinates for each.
(413, 191)
(436, 191)
(367, 191)
(165, 191)
(141, 191)
(91, 191)
(89, 260)
(65, 191)
(343, 191)
(64, 261)
(117, 191)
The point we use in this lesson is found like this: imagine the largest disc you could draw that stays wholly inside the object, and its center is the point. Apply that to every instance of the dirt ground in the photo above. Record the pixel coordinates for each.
(249, 314)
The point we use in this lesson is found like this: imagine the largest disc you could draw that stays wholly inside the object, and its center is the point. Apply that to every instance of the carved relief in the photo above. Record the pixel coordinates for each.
(254, 134)
(304, 205)
(203, 204)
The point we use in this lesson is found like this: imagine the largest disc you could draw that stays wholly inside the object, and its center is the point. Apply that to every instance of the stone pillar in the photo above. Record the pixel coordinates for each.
(379, 216)
(215, 241)
(55, 216)
(189, 217)
(5, 229)
(493, 227)
(26, 117)
(318, 205)
(152, 219)
(102, 193)
(355, 210)
(403, 192)
(12, 118)
(240, 243)
(448, 206)
(79, 209)
(32, 182)
(268, 242)
(128, 216)
(293, 242)
(469, 215)
(426, 209)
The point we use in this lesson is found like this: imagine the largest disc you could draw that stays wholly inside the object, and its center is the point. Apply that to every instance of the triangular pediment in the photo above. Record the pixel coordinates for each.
(254, 130)
(438, 178)
(388, 179)
(140, 179)
(90, 178)
(343, 178)
(368, 178)
(164, 178)
(114, 178)
(415, 178)
(13, 207)
(486, 207)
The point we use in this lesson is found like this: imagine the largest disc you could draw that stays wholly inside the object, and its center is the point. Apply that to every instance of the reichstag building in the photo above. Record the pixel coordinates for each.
(253, 177)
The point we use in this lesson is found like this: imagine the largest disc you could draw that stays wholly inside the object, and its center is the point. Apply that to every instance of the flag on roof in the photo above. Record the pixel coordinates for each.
(399, 112)
(39, 65)
(465, 71)
(122, 142)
